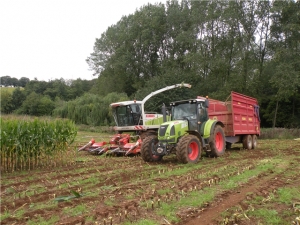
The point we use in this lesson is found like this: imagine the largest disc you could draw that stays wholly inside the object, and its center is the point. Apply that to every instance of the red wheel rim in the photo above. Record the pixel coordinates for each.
(155, 156)
(193, 150)
(219, 142)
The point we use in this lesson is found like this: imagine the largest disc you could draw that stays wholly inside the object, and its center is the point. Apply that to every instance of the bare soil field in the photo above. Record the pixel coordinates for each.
(260, 186)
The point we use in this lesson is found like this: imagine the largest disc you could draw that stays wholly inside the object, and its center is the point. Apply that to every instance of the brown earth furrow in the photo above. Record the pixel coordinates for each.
(262, 186)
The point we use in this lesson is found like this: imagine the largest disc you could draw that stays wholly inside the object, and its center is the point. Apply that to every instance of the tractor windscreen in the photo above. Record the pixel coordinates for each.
(127, 115)
(184, 111)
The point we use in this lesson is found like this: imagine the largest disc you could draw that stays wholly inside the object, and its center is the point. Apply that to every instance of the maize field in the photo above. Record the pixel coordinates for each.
(244, 187)
(28, 144)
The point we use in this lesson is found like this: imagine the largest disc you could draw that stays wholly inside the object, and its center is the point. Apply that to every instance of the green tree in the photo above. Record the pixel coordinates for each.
(76, 89)
(6, 102)
(286, 52)
(89, 109)
(5, 81)
(45, 106)
(23, 81)
(37, 105)
(128, 53)
(36, 86)
(18, 97)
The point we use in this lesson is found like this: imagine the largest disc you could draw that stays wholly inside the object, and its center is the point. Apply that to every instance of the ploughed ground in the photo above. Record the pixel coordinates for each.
(126, 190)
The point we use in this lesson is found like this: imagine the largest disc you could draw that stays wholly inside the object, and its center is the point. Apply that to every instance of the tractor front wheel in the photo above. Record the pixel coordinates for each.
(188, 149)
(217, 142)
(148, 144)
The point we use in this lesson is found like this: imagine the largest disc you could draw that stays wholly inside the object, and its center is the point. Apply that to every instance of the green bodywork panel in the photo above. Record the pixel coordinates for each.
(156, 121)
(180, 127)
(206, 128)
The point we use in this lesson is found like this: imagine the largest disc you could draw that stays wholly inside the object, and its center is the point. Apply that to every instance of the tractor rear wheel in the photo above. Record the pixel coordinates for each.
(254, 141)
(247, 142)
(146, 149)
(217, 142)
(188, 149)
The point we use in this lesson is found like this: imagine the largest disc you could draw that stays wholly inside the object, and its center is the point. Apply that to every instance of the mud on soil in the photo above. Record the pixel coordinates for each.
(126, 190)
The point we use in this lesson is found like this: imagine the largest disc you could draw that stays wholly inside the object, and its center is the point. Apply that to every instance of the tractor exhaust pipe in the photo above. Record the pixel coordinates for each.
(163, 109)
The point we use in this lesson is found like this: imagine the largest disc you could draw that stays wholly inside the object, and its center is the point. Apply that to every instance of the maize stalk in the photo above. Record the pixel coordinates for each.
(29, 144)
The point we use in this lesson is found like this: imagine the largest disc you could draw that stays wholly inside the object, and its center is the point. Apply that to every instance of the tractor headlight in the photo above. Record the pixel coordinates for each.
(160, 150)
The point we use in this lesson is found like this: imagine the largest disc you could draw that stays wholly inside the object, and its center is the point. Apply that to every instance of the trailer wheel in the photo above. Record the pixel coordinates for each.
(217, 142)
(146, 149)
(188, 149)
(247, 142)
(254, 141)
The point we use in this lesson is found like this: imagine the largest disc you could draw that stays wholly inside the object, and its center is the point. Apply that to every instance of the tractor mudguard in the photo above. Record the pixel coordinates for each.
(208, 127)
(197, 134)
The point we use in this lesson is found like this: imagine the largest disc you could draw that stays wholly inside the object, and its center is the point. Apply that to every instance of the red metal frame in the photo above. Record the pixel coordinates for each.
(238, 114)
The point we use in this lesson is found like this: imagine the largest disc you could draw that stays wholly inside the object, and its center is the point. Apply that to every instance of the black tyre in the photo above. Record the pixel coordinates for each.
(148, 144)
(147, 133)
(247, 142)
(254, 141)
(228, 145)
(217, 142)
(188, 149)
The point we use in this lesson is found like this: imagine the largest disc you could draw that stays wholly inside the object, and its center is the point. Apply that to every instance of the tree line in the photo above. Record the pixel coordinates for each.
(251, 47)
(40, 98)
(7, 81)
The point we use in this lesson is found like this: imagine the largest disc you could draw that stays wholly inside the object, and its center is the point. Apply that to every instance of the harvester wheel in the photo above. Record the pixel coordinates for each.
(188, 149)
(254, 141)
(146, 149)
(217, 142)
(143, 135)
(247, 141)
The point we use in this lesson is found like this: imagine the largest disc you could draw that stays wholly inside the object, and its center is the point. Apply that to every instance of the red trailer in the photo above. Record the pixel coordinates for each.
(240, 116)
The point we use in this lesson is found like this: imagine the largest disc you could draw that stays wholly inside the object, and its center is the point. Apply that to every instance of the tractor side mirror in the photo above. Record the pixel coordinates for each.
(206, 103)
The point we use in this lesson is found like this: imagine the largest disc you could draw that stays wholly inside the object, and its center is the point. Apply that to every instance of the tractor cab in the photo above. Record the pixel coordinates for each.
(127, 113)
(194, 111)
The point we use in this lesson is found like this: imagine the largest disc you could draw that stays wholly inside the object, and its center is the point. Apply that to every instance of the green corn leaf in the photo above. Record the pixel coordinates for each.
(66, 198)
(76, 194)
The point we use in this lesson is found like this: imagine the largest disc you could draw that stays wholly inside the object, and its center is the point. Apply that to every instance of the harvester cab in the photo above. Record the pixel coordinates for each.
(131, 115)
(127, 113)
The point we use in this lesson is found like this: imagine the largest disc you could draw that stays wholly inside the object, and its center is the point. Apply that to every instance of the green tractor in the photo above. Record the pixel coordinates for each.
(189, 132)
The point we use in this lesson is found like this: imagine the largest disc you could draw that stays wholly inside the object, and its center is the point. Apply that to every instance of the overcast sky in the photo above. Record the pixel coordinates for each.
(51, 39)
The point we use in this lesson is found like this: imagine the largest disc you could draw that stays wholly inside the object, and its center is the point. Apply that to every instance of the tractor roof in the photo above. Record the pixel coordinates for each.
(188, 101)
